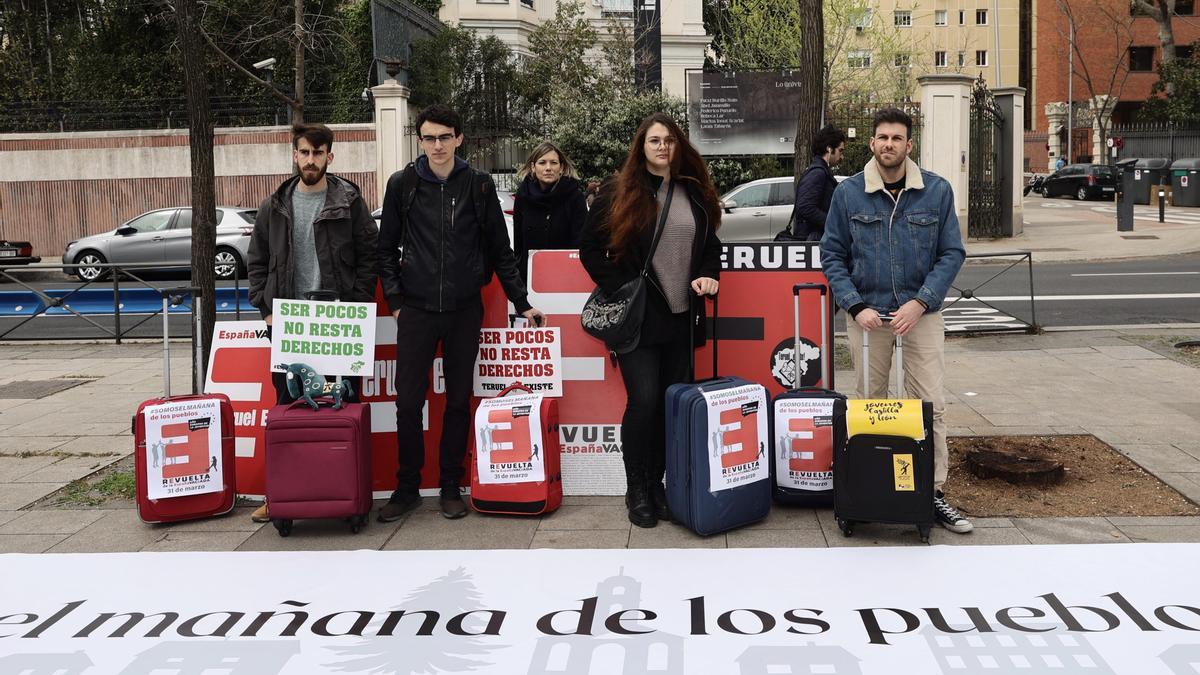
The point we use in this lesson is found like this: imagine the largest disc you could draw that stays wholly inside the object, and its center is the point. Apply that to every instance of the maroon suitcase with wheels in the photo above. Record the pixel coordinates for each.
(192, 439)
(318, 463)
(515, 446)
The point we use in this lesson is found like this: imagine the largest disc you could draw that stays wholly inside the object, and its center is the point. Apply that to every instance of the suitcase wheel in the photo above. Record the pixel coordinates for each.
(284, 526)
(358, 522)
(847, 527)
(923, 530)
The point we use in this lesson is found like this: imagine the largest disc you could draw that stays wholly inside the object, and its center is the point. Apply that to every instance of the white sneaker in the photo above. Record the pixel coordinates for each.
(949, 517)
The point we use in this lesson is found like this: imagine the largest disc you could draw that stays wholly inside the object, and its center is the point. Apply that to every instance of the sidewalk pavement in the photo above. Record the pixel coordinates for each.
(1115, 384)
(1118, 385)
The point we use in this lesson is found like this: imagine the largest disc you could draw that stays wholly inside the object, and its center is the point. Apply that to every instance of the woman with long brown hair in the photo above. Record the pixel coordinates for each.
(662, 170)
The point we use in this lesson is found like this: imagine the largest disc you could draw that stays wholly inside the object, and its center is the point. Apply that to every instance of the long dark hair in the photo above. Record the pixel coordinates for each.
(634, 208)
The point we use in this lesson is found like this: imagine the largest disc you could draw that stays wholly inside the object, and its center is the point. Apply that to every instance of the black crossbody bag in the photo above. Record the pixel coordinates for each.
(616, 318)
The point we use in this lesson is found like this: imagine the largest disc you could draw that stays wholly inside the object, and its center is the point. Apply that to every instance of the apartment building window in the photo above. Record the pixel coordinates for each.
(527, 3)
(962, 17)
(863, 20)
(981, 57)
(962, 59)
(1185, 7)
(939, 17)
(1184, 52)
(903, 17)
(611, 8)
(981, 17)
(859, 58)
(939, 59)
(1141, 59)
(901, 60)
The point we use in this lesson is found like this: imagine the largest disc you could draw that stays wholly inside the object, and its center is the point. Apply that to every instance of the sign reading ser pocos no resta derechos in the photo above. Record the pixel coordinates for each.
(335, 338)
(531, 356)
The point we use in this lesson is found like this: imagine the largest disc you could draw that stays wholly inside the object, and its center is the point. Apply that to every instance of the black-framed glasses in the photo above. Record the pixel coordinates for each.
(443, 139)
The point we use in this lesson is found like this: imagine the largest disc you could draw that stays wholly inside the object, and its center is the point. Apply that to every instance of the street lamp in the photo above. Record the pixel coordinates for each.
(268, 68)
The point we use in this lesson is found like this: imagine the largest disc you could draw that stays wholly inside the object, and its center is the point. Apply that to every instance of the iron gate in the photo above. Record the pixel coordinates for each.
(983, 189)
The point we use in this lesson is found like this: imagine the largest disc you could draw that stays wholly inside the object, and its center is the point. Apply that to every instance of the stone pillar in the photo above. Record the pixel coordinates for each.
(391, 121)
(1102, 109)
(945, 133)
(1011, 101)
(1056, 124)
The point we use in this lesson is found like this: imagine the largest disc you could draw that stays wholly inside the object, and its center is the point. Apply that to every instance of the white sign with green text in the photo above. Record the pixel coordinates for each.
(335, 338)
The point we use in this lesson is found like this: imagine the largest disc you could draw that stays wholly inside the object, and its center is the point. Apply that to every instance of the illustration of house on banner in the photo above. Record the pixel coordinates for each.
(797, 659)
(1182, 659)
(45, 664)
(1033, 654)
(228, 657)
(655, 653)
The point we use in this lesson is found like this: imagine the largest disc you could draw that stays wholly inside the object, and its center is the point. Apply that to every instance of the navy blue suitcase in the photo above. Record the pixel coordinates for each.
(737, 445)
(804, 437)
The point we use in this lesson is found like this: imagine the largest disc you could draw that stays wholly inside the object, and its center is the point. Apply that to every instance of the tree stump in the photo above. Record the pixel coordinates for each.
(1014, 468)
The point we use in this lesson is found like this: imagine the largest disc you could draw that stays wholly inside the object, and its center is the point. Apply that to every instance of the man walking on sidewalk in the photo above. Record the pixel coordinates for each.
(314, 233)
(442, 235)
(892, 247)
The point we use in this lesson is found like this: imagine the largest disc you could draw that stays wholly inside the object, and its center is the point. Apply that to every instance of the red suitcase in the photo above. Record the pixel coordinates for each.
(186, 470)
(515, 465)
(318, 463)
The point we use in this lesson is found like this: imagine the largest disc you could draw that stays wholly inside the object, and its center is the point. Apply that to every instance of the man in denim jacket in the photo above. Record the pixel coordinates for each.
(892, 247)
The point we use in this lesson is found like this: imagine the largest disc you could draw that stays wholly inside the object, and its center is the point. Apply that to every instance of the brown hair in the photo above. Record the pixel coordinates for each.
(316, 134)
(634, 208)
(544, 148)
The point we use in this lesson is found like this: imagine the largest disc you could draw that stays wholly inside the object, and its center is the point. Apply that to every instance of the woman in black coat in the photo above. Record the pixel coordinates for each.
(662, 168)
(550, 206)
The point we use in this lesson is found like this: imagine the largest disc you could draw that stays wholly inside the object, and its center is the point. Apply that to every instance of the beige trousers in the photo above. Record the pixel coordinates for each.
(924, 373)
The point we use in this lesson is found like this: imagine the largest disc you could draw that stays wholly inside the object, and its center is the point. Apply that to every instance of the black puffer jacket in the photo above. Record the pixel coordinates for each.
(551, 219)
(448, 254)
(345, 238)
(610, 274)
(814, 192)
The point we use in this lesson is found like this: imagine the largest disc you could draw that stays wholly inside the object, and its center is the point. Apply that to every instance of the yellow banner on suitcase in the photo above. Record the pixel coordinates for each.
(888, 417)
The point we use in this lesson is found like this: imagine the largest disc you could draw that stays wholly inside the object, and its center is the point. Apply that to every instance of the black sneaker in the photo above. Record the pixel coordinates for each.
(397, 507)
(451, 503)
(948, 517)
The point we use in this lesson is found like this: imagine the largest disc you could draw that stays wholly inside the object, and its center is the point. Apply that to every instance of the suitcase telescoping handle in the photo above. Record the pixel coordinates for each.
(170, 298)
(866, 362)
(515, 386)
(826, 354)
(695, 318)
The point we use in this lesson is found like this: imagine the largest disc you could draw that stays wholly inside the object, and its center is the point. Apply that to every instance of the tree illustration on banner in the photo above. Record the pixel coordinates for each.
(441, 652)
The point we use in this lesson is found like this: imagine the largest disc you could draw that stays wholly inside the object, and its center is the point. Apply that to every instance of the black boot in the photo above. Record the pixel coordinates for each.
(641, 509)
(658, 496)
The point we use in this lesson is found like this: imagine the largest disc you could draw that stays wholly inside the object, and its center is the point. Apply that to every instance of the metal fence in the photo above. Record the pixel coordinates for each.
(855, 118)
(171, 113)
(1158, 140)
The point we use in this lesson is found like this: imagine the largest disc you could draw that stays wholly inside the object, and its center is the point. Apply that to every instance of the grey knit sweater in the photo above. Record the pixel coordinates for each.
(672, 262)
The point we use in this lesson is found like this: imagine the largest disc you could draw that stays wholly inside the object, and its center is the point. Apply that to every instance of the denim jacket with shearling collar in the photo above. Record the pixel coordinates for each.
(883, 252)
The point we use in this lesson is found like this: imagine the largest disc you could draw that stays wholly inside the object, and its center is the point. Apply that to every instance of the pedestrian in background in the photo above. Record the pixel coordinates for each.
(662, 169)
(814, 190)
(549, 207)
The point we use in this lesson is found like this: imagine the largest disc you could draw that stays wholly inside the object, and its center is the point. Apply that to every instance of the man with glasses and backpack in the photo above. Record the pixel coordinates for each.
(442, 236)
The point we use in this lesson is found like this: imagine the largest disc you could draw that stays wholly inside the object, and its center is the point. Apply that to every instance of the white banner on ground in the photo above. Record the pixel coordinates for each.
(335, 338)
(531, 356)
(1103, 609)
(183, 448)
(508, 436)
(737, 443)
(804, 443)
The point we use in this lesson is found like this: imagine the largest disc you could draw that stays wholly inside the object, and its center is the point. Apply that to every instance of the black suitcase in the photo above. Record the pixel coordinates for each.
(884, 478)
(804, 434)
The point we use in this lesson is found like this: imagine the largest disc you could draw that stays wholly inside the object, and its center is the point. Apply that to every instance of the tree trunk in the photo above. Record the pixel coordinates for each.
(812, 58)
(298, 106)
(204, 202)
(1166, 32)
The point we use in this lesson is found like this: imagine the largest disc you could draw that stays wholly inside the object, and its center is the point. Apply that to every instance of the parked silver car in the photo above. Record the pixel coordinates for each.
(755, 211)
(162, 236)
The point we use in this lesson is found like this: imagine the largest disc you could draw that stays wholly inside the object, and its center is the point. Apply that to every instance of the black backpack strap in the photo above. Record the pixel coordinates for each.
(408, 193)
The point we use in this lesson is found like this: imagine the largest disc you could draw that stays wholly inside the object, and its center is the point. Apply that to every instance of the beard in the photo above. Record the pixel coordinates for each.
(890, 162)
(309, 177)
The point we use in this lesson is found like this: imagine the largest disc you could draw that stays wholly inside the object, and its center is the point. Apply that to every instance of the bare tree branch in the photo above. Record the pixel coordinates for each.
(271, 88)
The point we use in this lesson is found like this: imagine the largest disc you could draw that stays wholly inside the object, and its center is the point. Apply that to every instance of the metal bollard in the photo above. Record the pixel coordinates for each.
(1162, 204)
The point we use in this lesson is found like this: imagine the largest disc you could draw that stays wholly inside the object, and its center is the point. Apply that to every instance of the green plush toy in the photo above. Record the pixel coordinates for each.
(304, 383)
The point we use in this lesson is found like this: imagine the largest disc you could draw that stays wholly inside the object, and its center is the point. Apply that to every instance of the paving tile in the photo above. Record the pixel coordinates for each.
(324, 534)
(1160, 458)
(197, 541)
(787, 518)
(115, 531)
(671, 535)
(1070, 531)
(581, 539)
(428, 530)
(1162, 533)
(1155, 521)
(29, 543)
(745, 538)
(15, 496)
(67, 469)
(980, 536)
(96, 445)
(13, 469)
(586, 517)
(53, 521)
(38, 444)
(1187, 484)
(1130, 353)
(594, 500)
(237, 520)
